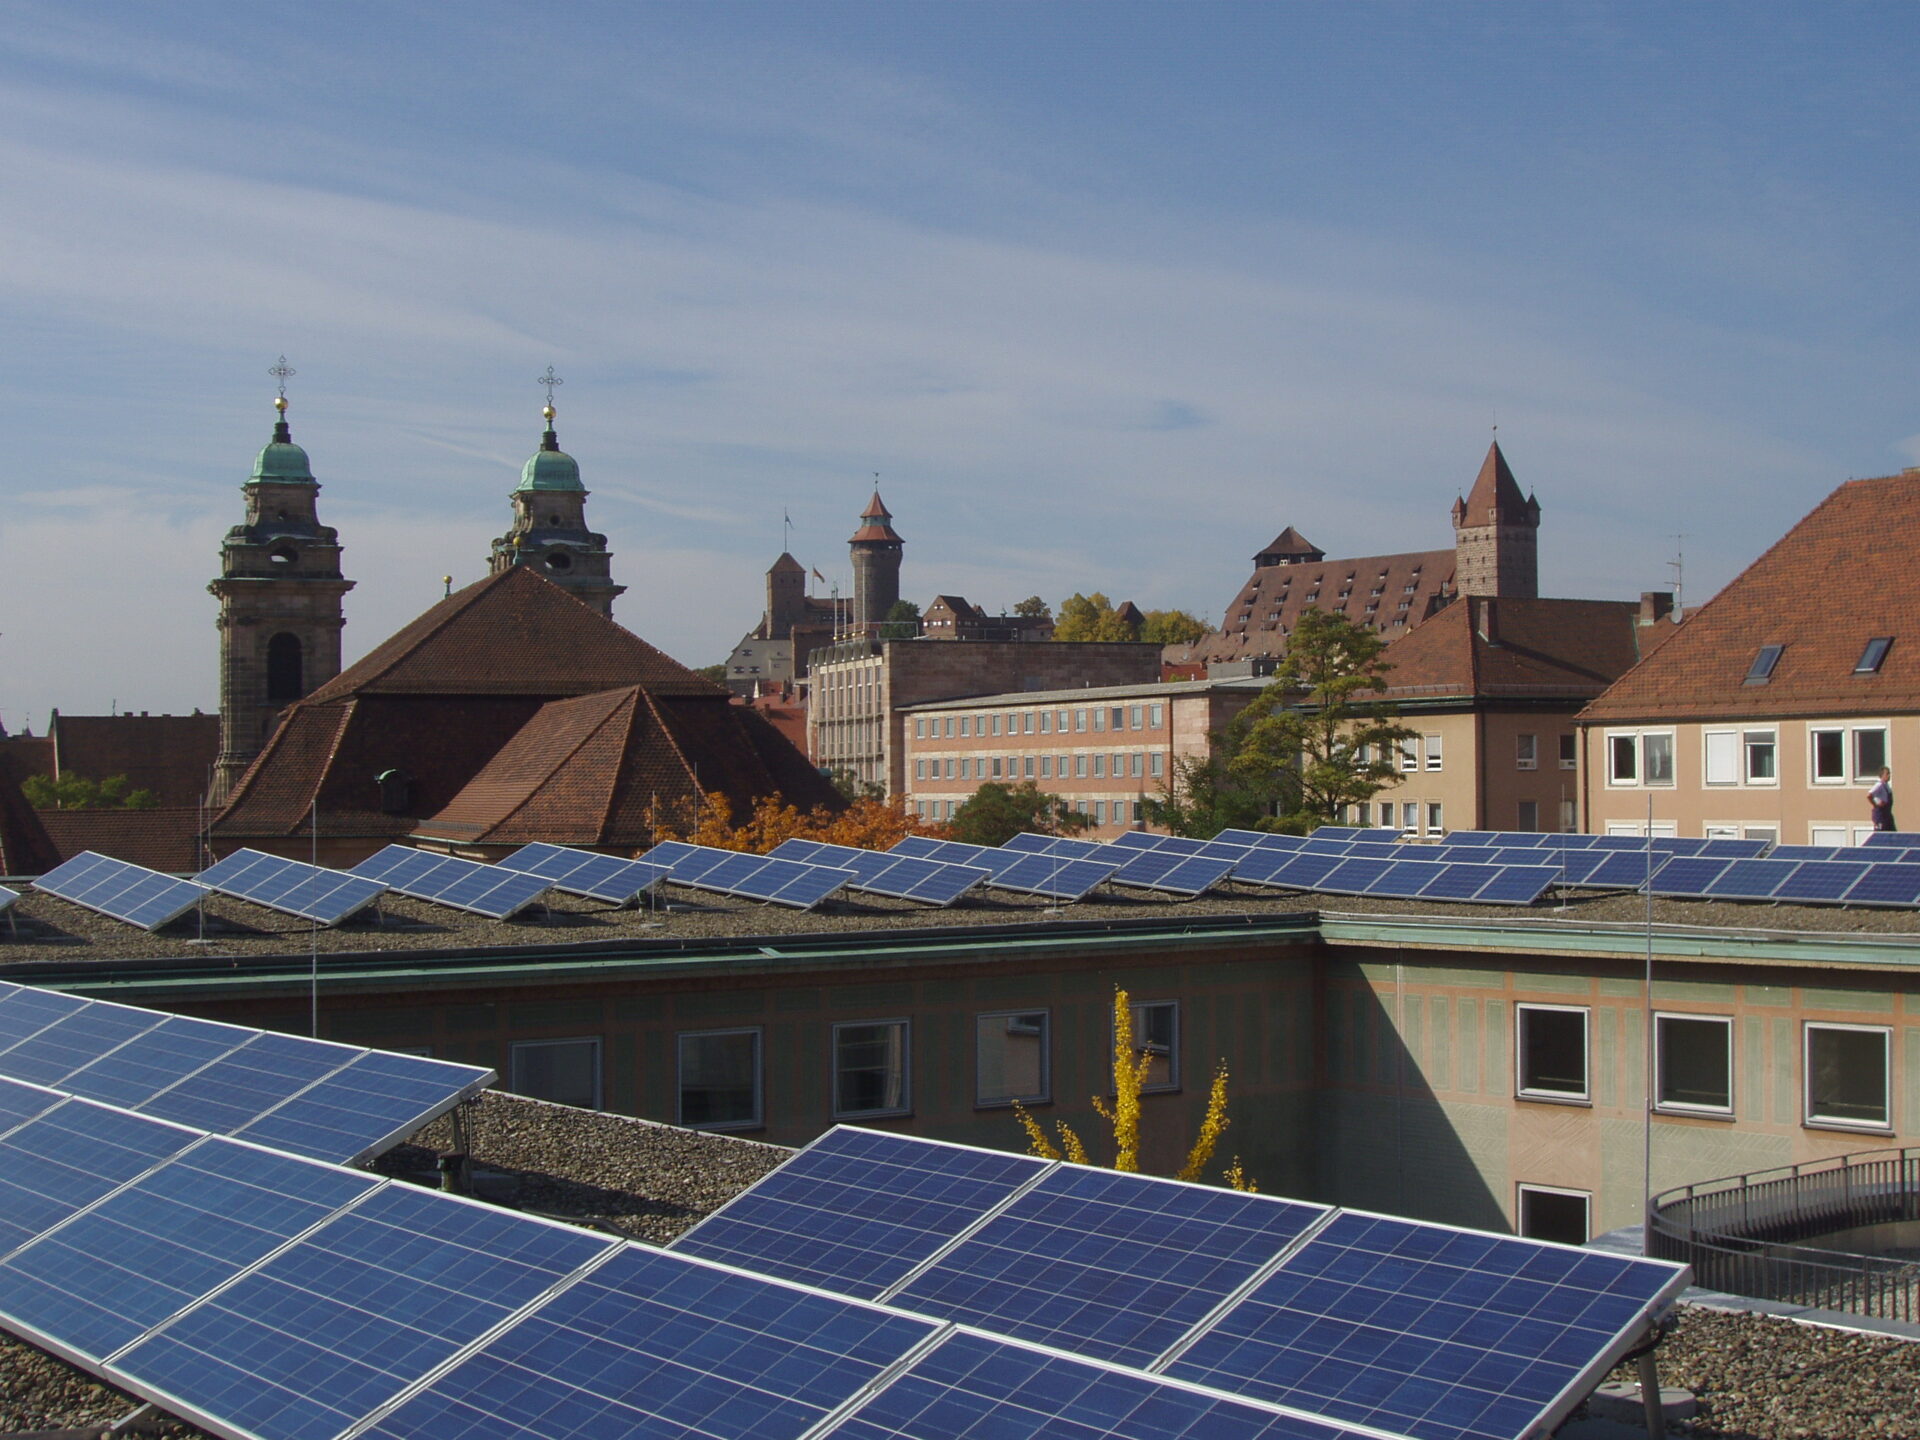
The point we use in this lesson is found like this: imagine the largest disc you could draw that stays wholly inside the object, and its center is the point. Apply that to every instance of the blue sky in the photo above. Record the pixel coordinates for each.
(1107, 294)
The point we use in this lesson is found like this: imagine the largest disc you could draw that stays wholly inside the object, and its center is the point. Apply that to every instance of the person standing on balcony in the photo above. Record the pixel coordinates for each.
(1880, 801)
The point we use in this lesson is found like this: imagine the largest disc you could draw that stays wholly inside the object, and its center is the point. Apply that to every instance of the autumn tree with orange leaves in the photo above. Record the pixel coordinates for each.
(865, 824)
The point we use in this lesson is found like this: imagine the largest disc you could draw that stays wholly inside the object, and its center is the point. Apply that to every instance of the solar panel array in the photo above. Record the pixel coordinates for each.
(883, 872)
(292, 887)
(114, 888)
(1413, 1329)
(310, 1097)
(489, 890)
(793, 883)
(583, 872)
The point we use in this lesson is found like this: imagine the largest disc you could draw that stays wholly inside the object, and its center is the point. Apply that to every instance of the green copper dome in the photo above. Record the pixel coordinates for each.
(551, 468)
(283, 461)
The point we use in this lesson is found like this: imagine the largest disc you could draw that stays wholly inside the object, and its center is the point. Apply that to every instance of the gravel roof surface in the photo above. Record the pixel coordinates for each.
(54, 929)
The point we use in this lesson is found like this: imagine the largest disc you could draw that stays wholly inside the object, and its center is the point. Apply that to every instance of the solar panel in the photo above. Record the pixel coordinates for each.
(920, 847)
(25, 1011)
(1821, 882)
(1474, 837)
(1262, 839)
(1892, 839)
(1678, 845)
(788, 882)
(1517, 885)
(292, 887)
(337, 1324)
(1111, 1265)
(1732, 849)
(1687, 877)
(1141, 840)
(367, 1107)
(231, 1092)
(1342, 832)
(1619, 842)
(655, 1344)
(1029, 843)
(1807, 852)
(1297, 872)
(858, 1210)
(1055, 879)
(1751, 879)
(129, 893)
(56, 1051)
(8, 897)
(583, 872)
(1079, 849)
(1459, 881)
(489, 890)
(1353, 877)
(1624, 870)
(148, 1064)
(1171, 873)
(1886, 885)
(1404, 879)
(932, 881)
(979, 1386)
(20, 1103)
(1435, 1333)
(69, 1156)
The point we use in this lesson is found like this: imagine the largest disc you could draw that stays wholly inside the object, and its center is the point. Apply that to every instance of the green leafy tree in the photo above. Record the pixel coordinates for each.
(1034, 607)
(995, 813)
(76, 792)
(1090, 617)
(853, 789)
(1203, 795)
(1317, 721)
(715, 673)
(902, 622)
(1173, 627)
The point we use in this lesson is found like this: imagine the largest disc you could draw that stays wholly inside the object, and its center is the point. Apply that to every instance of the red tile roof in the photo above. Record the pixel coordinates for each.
(1495, 492)
(1841, 577)
(1544, 649)
(158, 839)
(171, 755)
(1268, 606)
(875, 527)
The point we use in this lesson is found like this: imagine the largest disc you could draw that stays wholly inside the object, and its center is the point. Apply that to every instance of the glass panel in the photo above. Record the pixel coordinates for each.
(1658, 752)
(1553, 1052)
(1869, 753)
(1625, 757)
(566, 1072)
(720, 1078)
(1722, 758)
(1759, 746)
(1829, 755)
(1847, 1075)
(870, 1068)
(1695, 1062)
(1011, 1057)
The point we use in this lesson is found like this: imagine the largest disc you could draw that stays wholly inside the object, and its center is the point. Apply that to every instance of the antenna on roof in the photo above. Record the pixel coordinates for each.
(1679, 567)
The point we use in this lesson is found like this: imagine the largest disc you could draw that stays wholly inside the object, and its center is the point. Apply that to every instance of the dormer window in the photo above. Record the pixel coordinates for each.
(1871, 657)
(1761, 671)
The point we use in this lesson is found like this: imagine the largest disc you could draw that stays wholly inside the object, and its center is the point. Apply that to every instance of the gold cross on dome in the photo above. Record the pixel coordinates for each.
(549, 380)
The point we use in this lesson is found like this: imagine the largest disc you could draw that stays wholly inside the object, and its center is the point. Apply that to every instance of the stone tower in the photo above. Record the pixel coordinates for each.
(1496, 535)
(876, 567)
(786, 598)
(280, 593)
(549, 530)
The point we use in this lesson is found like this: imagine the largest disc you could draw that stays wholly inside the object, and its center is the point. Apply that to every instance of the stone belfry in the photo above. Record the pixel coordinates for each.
(549, 530)
(876, 567)
(280, 592)
(1496, 535)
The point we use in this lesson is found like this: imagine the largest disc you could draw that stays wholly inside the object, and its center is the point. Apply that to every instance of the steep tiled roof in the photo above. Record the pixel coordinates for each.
(1494, 490)
(874, 524)
(513, 633)
(1288, 545)
(1841, 577)
(1489, 649)
(171, 755)
(165, 840)
(25, 848)
(1260, 617)
(31, 754)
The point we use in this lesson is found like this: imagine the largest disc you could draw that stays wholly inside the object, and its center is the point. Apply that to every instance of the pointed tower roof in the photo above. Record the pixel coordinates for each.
(786, 564)
(875, 523)
(1288, 546)
(1495, 492)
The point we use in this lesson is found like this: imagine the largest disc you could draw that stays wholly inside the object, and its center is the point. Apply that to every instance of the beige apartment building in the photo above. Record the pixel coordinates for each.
(1779, 701)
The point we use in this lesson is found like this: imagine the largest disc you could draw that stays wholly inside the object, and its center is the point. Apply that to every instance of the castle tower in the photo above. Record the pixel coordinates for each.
(876, 567)
(786, 598)
(280, 593)
(549, 530)
(1496, 535)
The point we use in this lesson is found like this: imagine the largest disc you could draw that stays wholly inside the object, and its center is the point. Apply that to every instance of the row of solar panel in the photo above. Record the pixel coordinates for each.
(269, 1296)
(310, 1097)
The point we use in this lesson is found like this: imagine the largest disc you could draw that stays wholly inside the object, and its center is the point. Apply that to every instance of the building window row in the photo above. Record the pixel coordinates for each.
(1120, 765)
(1081, 720)
(1846, 1068)
(1099, 811)
(1836, 755)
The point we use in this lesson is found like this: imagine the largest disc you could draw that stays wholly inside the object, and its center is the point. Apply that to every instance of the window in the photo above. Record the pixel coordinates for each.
(1551, 1051)
(566, 1072)
(1847, 1076)
(1117, 718)
(1046, 767)
(1010, 1058)
(1761, 670)
(1410, 754)
(1027, 764)
(1569, 752)
(950, 764)
(1529, 816)
(1436, 822)
(1869, 753)
(1386, 814)
(1721, 758)
(1640, 758)
(1099, 767)
(1137, 765)
(949, 727)
(1758, 746)
(1153, 717)
(966, 724)
(284, 668)
(1080, 720)
(1046, 722)
(1119, 812)
(996, 722)
(870, 1068)
(1026, 723)
(1526, 752)
(1855, 753)
(1061, 723)
(1546, 1213)
(720, 1079)
(1099, 811)
(1080, 766)
(1099, 718)
(1871, 657)
(996, 767)
(1693, 1064)
(1829, 753)
(1156, 765)
(1135, 718)
(919, 769)
(919, 727)
(1433, 752)
(1410, 815)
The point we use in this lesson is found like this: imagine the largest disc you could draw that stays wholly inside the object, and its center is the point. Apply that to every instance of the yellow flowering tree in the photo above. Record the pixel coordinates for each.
(1123, 1114)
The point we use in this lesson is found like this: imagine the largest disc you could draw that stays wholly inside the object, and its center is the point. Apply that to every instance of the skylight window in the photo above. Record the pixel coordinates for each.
(1871, 657)
(1763, 663)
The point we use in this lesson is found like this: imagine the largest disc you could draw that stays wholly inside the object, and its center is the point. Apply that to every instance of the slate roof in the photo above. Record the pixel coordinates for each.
(1842, 576)
(171, 755)
(167, 839)
(1487, 649)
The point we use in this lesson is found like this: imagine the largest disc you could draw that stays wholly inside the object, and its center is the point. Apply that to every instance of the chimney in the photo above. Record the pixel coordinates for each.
(1655, 606)
(1487, 620)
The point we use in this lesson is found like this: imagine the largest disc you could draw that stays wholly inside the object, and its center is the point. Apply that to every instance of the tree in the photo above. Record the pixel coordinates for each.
(1203, 796)
(715, 673)
(76, 792)
(868, 823)
(1034, 608)
(1090, 617)
(902, 622)
(1173, 627)
(1130, 1065)
(995, 813)
(1315, 722)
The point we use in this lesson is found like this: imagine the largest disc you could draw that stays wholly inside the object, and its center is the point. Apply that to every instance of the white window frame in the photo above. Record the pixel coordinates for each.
(1569, 752)
(1748, 739)
(1843, 1122)
(1526, 752)
(758, 1120)
(1720, 757)
(1665, 1106)
(1637, 740)
(905, 1107)
(1436, 818)
(1523, 1091)
(1523, 1189)
(1410, 754)
(1853, 772)
(517, 1048)
(1435, 751)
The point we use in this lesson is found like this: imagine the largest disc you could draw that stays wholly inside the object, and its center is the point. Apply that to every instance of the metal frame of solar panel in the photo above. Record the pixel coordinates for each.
(586, 872)
(457, 883)
(128, 893)
(292, 887)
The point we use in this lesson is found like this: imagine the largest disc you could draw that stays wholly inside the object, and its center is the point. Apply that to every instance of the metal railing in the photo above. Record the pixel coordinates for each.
(1743, 1234)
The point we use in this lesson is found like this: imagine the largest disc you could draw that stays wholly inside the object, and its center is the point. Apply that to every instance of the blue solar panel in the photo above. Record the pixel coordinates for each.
(1625, 870)
(129, 893)
(920, 847)
(983, 1388)
(1807, 852)
(376, 1101)
(487, 890)
(1342, 832)
(1030, 844)
(341, 1321)
(8, 897)
(858, 1210)
(1262, 839)
(1435, 1333)
(1679, 845)
(1173, 873)
(1751, 879)
(1821, 882)
(1353, 876)
(1459, 881)
(583, 872)
(1140, 840)
(1687, 876)
(1886, 885)
(1404, 878)
(1619, 842)
(227, 1094)
(1297, 872)
(1517, 885)
(20, 1103)
(292, 886)
(69, 1157)
(1074, 849)
(1054, 878)
(1732, 849)
(1474, 837)
(804, 888)
(1892, 839)
(117, 1270)
(73, 1041)
(1578, 866)
(148, 1064)
(658, 1345)
(1110, 1265)
(945, 885)
(25, 1012)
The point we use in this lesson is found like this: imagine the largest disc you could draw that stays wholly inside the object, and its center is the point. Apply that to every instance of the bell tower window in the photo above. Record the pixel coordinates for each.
(284, 668)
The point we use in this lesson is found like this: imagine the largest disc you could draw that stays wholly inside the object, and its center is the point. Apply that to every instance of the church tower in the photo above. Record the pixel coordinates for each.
(1496, 535)
(280, 593)
(549, 530)
(876, 567)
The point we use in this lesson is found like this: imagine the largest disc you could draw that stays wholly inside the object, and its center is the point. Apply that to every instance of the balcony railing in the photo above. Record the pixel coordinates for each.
(1746, 1234)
